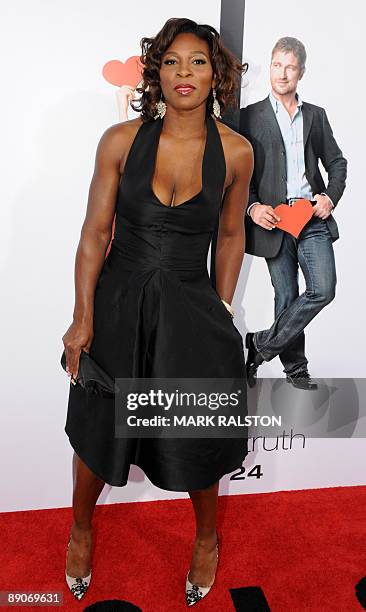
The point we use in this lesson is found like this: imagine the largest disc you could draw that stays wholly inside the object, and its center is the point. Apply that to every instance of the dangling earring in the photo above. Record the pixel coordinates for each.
(216, 105)
(161, 109)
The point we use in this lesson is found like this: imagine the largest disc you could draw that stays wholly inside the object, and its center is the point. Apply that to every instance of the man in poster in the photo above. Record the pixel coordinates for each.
(289, 137)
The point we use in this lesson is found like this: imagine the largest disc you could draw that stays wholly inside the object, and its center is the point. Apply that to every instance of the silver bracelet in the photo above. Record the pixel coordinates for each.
(228, 307)
(250, 207)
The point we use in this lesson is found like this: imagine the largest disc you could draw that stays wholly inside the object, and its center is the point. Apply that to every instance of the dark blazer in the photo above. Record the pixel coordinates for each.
(259, 125)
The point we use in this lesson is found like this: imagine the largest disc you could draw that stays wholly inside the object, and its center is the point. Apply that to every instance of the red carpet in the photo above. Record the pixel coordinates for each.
(305, 549)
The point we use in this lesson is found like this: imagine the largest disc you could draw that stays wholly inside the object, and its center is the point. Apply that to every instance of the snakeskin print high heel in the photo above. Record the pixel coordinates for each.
(194, 592)
(78, 586)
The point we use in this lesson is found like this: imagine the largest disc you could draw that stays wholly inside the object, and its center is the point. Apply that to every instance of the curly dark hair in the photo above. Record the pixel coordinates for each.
(226, 66)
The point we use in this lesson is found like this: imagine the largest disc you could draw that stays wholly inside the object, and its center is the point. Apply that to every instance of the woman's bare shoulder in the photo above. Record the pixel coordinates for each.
(238, 152)
(122, 131)
(233, 141)
(117, 139)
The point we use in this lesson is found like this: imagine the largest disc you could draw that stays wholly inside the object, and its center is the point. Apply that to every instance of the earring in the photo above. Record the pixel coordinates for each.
(216, 105)
(161, 109)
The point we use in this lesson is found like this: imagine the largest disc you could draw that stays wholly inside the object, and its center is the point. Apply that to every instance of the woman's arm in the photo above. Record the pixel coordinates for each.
(97, 227)
(94, 239)
(230, 246)
(124, 94)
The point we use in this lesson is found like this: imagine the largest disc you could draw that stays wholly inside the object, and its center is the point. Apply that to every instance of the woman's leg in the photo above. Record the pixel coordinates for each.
(86, 490)
(203, 565)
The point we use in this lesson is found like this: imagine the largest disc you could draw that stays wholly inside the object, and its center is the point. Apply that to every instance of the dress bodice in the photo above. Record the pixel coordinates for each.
(146, 230)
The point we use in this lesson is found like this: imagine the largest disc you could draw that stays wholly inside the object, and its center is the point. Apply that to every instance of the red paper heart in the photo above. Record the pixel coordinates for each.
(295, 217)
(119, 73)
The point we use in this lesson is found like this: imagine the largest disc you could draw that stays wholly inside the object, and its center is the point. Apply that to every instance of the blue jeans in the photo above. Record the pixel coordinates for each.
(313, 251)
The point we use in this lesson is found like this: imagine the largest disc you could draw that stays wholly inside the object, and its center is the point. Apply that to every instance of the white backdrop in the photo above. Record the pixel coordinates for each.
(55, 106)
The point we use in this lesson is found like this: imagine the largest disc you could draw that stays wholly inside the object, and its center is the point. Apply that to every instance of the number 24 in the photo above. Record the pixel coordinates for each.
(254, 471)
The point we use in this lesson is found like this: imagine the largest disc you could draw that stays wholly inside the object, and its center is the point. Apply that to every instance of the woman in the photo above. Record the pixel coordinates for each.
(148, 309)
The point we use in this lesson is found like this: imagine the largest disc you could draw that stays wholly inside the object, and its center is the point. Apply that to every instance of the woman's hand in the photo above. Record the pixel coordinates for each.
(79, 336)
(124, 96)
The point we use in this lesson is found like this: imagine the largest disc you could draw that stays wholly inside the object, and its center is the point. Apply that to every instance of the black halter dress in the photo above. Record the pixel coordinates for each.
(156, 314)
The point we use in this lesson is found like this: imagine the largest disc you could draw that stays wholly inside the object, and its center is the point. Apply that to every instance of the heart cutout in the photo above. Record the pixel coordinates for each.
(123, 73)
(295, 217)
